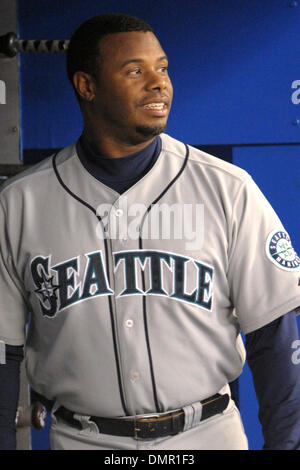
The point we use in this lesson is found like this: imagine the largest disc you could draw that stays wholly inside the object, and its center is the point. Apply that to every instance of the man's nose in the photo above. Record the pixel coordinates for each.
(156, 81)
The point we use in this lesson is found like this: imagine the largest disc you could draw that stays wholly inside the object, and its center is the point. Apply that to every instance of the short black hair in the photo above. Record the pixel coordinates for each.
(83, 48)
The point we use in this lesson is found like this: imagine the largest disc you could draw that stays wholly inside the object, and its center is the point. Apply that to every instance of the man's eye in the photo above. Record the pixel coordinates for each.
(135, 71)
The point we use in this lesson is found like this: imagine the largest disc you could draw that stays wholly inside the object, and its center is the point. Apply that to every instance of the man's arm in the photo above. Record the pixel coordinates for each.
(277, 381)
(9, 396)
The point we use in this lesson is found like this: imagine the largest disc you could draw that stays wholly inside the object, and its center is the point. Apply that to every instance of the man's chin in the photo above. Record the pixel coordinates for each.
(151, 131)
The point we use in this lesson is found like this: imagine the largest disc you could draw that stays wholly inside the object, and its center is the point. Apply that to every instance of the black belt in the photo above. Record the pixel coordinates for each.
(147, 427)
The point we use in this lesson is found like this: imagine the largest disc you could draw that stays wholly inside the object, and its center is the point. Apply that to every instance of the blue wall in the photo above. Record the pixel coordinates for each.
(234, 66)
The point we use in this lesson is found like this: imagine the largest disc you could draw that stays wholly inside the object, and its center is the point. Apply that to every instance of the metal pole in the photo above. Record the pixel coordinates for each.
(10, 45)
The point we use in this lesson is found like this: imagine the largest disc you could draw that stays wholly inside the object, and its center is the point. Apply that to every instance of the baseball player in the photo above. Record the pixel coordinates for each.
(130, 263)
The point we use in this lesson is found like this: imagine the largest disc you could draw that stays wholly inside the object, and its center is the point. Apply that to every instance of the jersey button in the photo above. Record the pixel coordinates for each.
(118, 212)
(134, 377)
(129, 323)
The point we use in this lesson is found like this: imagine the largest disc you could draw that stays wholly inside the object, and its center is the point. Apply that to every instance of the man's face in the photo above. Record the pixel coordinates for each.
(133, 91)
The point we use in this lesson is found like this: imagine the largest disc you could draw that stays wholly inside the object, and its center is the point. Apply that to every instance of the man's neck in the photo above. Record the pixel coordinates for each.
(110, 147)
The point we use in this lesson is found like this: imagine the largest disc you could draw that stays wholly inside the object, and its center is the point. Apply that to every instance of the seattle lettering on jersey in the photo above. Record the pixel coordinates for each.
(61, 285)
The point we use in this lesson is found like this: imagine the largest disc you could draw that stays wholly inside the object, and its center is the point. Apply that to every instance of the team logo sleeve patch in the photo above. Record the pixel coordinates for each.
(280, 251)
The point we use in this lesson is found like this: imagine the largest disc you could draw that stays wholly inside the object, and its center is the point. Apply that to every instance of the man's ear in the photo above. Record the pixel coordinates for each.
(84, 85)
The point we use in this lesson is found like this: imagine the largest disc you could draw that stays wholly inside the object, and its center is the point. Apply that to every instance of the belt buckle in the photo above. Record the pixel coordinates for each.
(138, 429)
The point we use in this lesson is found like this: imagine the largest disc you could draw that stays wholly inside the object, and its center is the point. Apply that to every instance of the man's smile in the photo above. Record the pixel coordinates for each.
(156, 109)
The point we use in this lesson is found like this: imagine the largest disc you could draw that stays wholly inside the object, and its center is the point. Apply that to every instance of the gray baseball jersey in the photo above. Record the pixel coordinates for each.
(135, 303)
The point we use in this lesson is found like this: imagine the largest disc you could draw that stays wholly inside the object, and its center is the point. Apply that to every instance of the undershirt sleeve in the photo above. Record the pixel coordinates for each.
(9, 396)
(276, 378)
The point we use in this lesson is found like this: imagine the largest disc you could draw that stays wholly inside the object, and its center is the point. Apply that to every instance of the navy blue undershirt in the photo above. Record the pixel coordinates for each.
(119, 173)
(276, 378)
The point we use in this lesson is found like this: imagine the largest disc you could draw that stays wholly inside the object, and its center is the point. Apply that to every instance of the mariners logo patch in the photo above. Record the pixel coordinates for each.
(280, 251)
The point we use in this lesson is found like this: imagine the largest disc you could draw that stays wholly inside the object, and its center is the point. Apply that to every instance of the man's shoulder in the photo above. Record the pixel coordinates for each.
(36, 175)
(203, 160)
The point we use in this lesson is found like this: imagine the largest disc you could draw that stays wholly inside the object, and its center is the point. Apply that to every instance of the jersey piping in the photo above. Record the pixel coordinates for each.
(92, 209)
(143, 276)
(65, 187)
